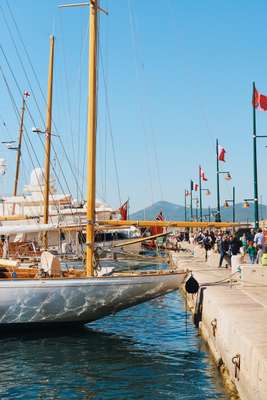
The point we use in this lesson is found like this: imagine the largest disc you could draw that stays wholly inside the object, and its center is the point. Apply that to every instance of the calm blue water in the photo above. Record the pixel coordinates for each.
(141, 353)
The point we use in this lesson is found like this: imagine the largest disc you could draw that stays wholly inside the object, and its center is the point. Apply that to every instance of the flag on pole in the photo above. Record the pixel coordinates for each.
(221, 153)
(194, 186)
(259, 101)
(202, 175)
(124, 210)
(26, 94)
(159, 216)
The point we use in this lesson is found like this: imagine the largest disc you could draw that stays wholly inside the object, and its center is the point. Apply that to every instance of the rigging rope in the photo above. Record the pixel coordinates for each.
(110, 124)
(42, 94)
(141, 105)
(15, 108)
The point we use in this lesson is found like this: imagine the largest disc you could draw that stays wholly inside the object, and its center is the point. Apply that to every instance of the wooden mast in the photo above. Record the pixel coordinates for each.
(48, 137)
(91, 141)
(19, 148)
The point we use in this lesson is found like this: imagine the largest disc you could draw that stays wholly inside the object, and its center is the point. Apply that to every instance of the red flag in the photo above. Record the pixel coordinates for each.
(221, 153)
(26, 94)
(196, 187)
(124, 210)
(202, 175)
(259, 101)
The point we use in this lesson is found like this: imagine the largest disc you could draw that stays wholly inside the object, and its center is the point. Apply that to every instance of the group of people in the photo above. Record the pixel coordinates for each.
(229, 245)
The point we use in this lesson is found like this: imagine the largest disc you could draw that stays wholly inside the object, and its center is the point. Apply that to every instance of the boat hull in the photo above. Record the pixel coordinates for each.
(24, 302)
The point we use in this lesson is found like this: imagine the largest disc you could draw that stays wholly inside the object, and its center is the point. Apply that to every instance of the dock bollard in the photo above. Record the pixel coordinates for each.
(191, 285)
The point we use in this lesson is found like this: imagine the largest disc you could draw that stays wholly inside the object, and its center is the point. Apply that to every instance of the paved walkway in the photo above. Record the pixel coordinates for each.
(234, 322)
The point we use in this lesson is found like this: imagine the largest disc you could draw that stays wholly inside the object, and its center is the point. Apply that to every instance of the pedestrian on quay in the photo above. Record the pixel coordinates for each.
(207, 244)
(259, 254)
(213, 239)
(244, 243)
(224, 251)
(235, 246)
(259, 238)
(251, 235)
(251, 251)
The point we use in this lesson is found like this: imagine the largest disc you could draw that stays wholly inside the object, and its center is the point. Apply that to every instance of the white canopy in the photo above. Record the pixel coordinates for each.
(14, 229)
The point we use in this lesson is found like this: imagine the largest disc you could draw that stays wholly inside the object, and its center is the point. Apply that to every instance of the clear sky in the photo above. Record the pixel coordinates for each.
(173, 77)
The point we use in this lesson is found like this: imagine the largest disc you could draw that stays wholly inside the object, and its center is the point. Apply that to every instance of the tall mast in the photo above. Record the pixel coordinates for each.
(19, 147)
(48, 137)
(91, 142)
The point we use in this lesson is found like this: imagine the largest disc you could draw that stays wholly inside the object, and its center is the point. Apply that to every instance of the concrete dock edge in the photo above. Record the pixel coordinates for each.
(233, 323)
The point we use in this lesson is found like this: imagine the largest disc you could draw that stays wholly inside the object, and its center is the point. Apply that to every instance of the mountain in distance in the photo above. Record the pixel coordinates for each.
(174, 212)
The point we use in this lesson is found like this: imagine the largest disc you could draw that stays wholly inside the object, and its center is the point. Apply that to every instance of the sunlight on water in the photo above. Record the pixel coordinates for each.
(141, 353)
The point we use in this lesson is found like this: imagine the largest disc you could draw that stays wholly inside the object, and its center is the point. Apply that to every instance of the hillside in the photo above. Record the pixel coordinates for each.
(173, 211)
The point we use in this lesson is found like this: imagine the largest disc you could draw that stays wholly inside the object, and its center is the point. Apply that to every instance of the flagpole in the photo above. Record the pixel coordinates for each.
(185, 213)
(197, 211)
(200, 195)
(256, 201)
(191, 200)
(218, 216)
(233, 204)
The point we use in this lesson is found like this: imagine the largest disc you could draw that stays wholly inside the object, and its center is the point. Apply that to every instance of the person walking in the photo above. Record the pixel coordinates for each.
(259, 238)
(224, 251)
(207, 244)
(244, 243)
(251, 251)
(259, 255)
(235, 246)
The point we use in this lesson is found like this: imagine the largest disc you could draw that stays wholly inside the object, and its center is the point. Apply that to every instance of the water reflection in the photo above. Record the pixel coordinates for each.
(141, 353)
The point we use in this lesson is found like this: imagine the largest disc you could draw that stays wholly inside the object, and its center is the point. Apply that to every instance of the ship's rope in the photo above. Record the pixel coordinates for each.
(149, 133)
(16, 111)
(141, 106)
(44, 99)
(15, 80)
(110, 129)
(68, 96)
(32, 119)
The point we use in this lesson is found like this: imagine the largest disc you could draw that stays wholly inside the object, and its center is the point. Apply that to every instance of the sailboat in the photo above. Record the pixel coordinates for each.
(81, 297)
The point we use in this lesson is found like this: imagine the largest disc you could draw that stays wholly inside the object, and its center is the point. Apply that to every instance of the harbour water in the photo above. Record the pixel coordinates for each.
(142, 353)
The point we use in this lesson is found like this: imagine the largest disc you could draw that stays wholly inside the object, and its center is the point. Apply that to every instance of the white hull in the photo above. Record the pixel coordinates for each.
(24, 302)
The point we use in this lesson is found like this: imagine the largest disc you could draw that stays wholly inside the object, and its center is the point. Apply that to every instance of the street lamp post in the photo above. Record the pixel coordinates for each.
(200, 197)
(185, 205)
(247, 205)
(197, 203)
(226, 204)
(255, 167)
(191, 199)
(218, 217)
(200, 194)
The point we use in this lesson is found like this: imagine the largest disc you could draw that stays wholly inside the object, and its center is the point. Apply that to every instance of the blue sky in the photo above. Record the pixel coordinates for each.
(177, 75)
